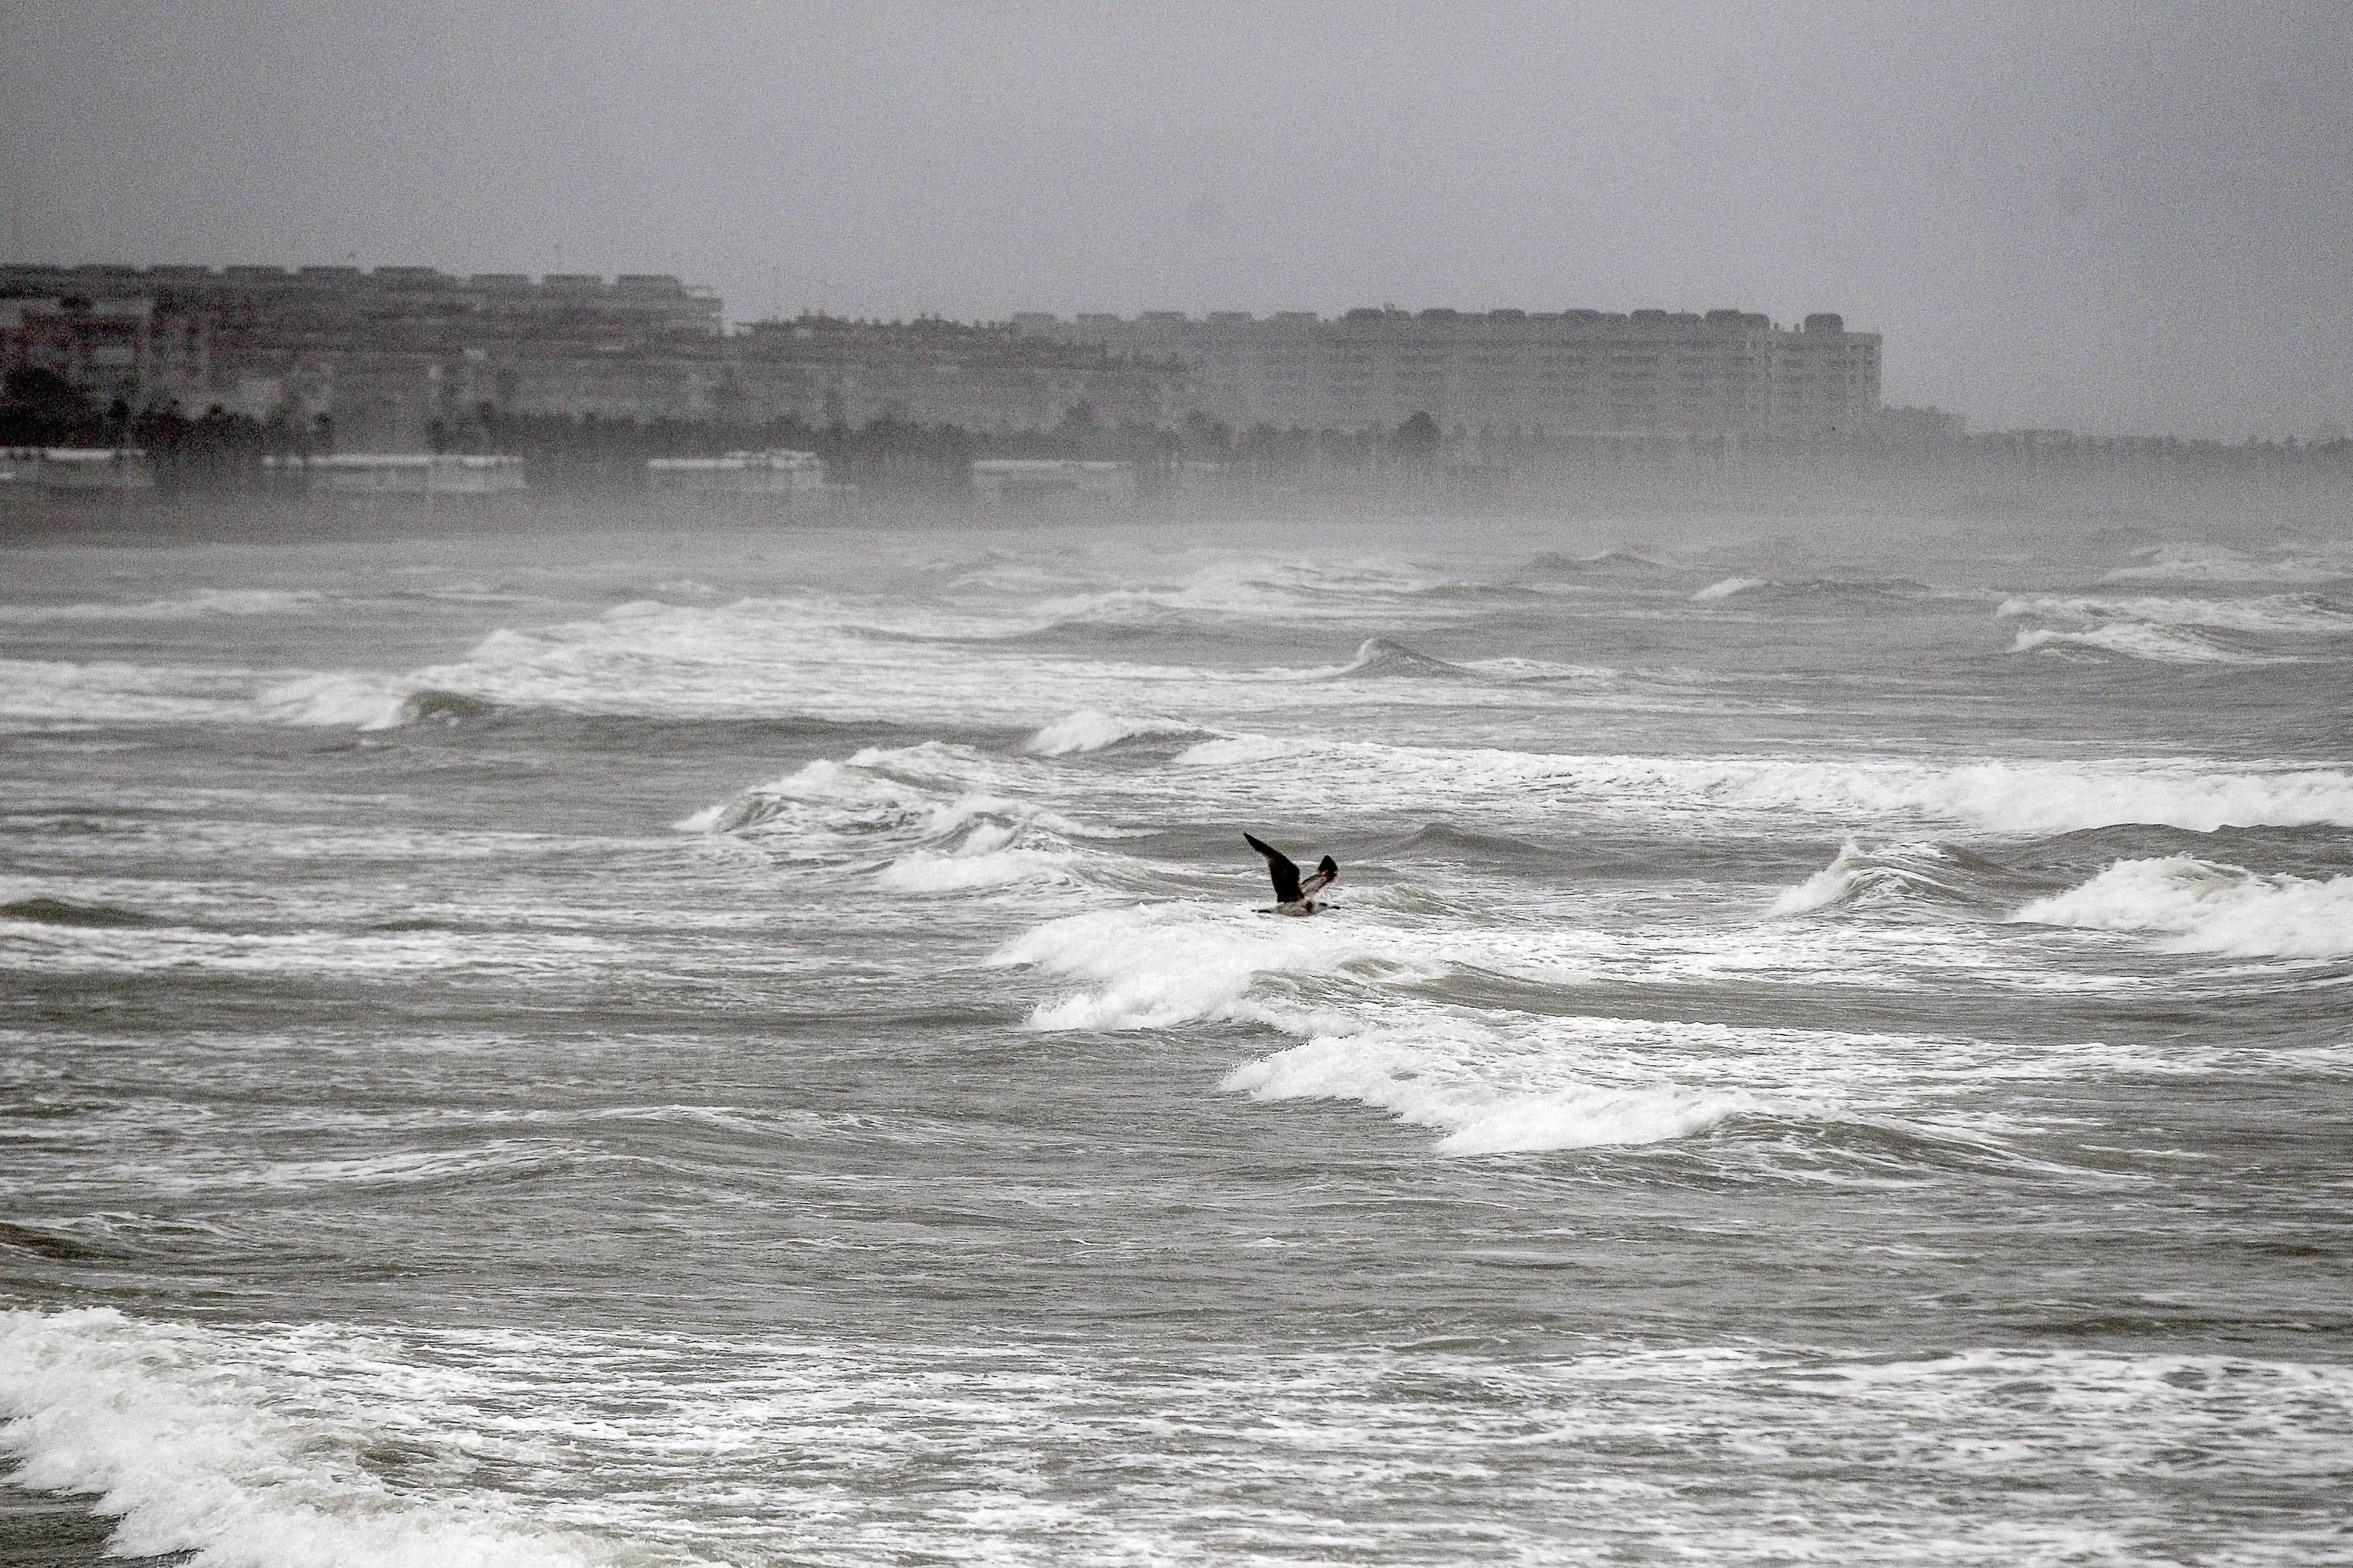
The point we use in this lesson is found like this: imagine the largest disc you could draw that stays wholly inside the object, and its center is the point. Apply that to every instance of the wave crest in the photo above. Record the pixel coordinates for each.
(332, 701)
(2009, 796)
(1900, 877)
(2203, 906)
(917, 805)
(1477, 1117)
(1384, 658)
(1093, 730)
(2133, 640)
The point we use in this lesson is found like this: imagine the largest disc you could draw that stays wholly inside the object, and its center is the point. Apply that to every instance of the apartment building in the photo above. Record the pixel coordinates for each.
(403, 357)
(385, 353)
(1560, 375)
(119, 347)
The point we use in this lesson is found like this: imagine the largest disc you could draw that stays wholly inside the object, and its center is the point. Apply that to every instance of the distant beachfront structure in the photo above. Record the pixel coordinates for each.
(1033, 480)
(401, 358)
(384, 354)
(76, 470)
(430, 475)
(774, 476)
(397, 357)
(1558, 374)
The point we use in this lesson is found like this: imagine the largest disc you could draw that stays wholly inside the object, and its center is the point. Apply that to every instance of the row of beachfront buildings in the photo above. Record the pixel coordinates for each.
(775, 481)
(406, 357)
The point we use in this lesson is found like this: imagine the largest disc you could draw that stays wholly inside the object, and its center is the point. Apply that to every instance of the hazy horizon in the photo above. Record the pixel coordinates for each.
(2115, 218)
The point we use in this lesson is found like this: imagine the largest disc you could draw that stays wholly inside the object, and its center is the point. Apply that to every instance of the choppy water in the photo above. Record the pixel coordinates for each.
(757, 1049)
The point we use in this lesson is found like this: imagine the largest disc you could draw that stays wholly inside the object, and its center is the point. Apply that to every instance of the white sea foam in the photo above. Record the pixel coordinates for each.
(1357, 998)
(823, 783)
(1998, 796)
(972, 869)
(2202, 906)
(916, 804)
(1726, 589)
(108, 692)
(519, 1450)
(1510, 667)
(1482, 1112)
(201, 604)
(1174, 965)
(334, 700)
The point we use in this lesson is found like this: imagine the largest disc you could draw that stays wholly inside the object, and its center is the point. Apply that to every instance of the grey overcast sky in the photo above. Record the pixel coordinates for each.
(2131, 217)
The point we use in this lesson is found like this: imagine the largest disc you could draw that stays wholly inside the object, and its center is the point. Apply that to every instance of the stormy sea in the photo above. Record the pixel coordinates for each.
(760, 1046)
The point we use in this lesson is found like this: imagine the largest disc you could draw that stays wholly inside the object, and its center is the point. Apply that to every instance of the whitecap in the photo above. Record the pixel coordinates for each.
(2203, 906)
(2135, 639)
(1858, 875)
(1477, 1115)
(334, 700)
(1093, 730)
(2003, 795)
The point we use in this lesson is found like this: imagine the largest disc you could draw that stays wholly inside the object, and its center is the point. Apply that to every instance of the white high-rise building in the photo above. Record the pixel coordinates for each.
(1574, 373)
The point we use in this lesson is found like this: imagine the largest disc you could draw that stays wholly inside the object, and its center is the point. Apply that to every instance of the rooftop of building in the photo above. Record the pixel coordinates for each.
(1436, 318)
(341, 275)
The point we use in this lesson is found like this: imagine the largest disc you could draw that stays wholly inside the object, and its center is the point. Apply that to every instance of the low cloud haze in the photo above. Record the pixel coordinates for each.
(2133, 218)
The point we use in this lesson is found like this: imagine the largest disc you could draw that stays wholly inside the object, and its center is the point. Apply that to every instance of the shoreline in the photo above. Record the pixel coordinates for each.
(34, 523)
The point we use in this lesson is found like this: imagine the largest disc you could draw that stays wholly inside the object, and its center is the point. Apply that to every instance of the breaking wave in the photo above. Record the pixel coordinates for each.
(2203, 906)
(334, 700)
(1898, 878)
(1356, 999)
(926, 810)
(2170, 630)
(194, 1443)
(2135, 639)
(1476, 1114)
(1384, 659)
(1092, 730)
(1157, 968)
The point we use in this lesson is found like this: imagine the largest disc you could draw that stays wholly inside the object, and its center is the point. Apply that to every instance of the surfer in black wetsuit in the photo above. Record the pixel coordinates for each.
(1292, 895)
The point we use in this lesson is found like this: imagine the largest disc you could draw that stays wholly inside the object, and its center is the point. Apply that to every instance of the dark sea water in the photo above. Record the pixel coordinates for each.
(757, 1048)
